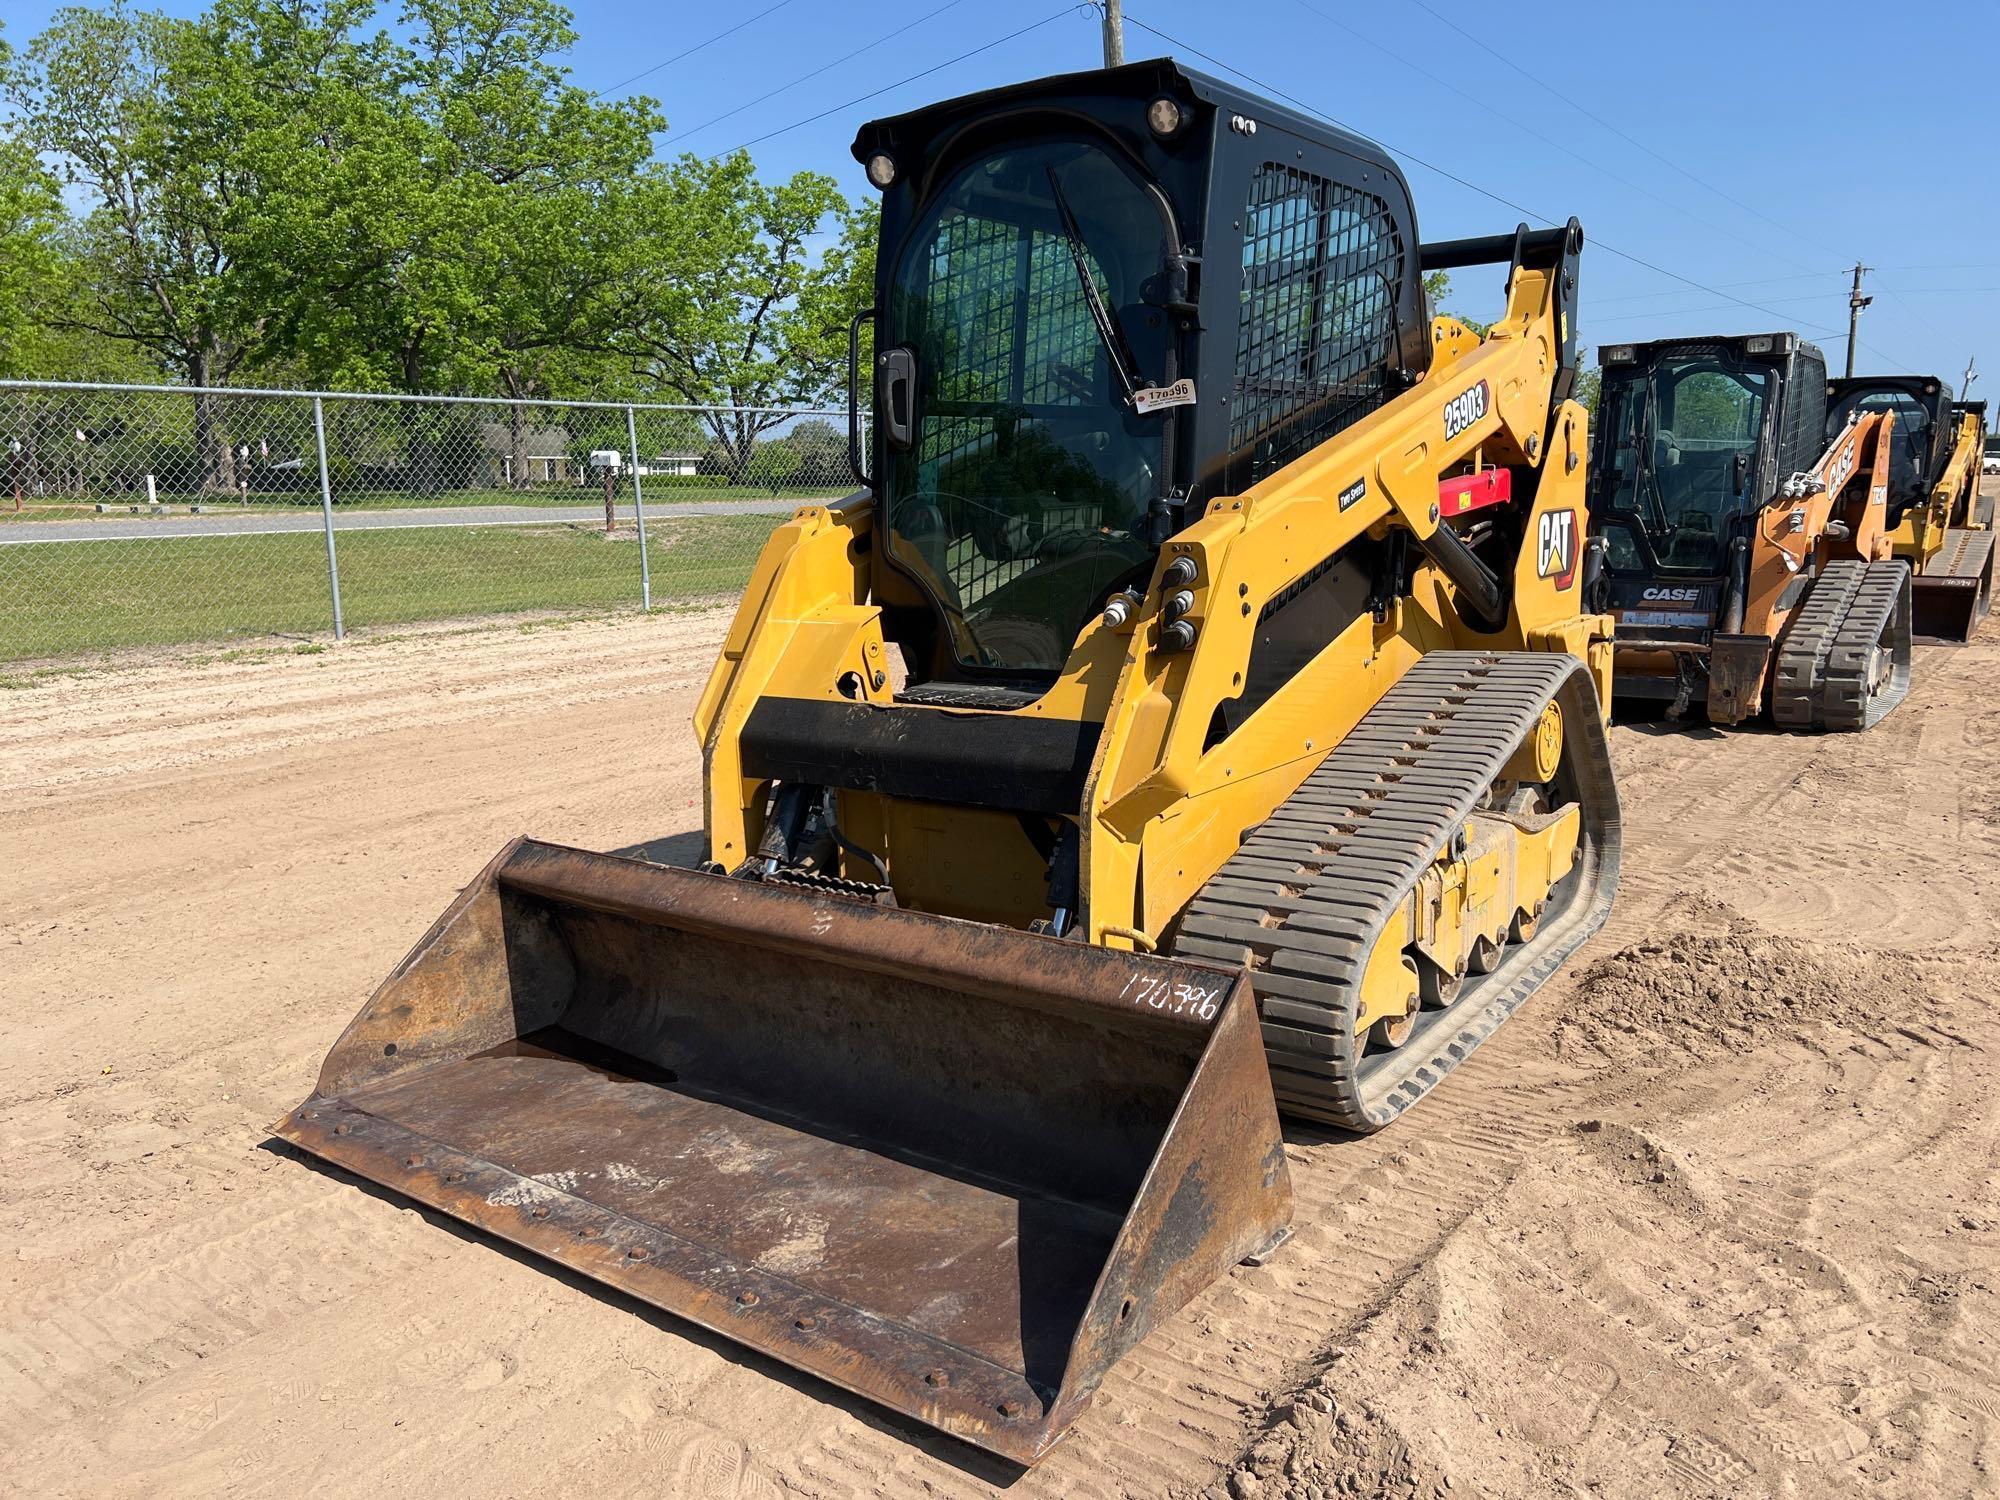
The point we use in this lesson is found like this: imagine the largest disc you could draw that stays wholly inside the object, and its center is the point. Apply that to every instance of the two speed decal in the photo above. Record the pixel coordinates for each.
(1467, 407)
(1556, 547)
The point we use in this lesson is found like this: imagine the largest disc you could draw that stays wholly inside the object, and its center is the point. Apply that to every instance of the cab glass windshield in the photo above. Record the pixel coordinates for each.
(1683, 439)
(1909, 439)
(1021, 499)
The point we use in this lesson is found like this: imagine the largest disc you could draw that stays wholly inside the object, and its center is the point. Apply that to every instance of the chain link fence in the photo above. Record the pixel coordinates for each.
(147, 515)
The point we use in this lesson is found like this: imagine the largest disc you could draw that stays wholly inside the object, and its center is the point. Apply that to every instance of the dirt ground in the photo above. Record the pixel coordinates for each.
(1717, 1214)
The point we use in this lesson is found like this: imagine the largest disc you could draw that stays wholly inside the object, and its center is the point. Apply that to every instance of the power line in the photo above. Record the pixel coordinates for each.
(1451, 176)
(1675, 312)
(679, 56)
(1897, 297)
(1628, 139)
(1943, 291)
(1433, 76)
(1885, 358)
(682, 135)
(1699, 181)
(1976, 266)
(1920, 291)
(1723, 285)
(888, 87)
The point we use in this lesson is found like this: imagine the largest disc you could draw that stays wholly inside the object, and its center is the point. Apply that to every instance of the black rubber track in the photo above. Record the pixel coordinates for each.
(1855, 691)
(1808, 641)
(1304, 899)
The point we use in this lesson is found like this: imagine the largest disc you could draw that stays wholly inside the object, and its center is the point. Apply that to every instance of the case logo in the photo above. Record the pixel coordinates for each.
(1671, 596)
(1556, 547)
(1467, 407)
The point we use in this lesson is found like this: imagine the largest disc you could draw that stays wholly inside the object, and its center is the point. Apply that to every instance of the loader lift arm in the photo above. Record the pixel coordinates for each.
(1482, 403)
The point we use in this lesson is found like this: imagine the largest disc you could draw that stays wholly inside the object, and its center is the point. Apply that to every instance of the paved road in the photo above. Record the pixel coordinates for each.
(267, 523)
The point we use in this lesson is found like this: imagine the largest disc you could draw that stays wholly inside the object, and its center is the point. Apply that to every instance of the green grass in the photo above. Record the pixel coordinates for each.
(63, 598)
(583, 502)
(14, 682)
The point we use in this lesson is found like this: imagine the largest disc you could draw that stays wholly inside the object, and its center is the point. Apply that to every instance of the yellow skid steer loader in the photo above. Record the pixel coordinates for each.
(1196, 715)
(1938, 522)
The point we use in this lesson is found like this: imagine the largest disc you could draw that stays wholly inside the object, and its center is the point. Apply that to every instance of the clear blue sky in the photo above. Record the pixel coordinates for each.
(1837, 134)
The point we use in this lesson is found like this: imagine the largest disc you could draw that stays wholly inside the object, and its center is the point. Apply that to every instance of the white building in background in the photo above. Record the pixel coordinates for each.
(545, 455)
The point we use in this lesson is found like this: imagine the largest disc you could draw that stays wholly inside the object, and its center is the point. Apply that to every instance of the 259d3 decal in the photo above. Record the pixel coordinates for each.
(1467, 407)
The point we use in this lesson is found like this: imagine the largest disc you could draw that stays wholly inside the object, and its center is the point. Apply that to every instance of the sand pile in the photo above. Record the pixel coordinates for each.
(1715, 980)
(1320, 1446)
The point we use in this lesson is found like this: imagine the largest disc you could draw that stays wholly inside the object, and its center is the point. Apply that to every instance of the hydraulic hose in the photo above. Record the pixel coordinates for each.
(1479, 587)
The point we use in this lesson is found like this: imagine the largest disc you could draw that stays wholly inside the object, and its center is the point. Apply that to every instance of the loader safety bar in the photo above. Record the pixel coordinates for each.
(1524, 247)
(1556, 251)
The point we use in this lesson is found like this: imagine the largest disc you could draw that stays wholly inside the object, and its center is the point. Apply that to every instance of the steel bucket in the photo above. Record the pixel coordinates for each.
(957, 1169)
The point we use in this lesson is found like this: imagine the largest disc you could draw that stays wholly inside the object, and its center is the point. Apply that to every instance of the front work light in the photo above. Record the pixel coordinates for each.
(882, 169)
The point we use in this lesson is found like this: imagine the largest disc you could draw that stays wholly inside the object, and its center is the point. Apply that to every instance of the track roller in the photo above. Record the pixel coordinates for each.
(1308, 902)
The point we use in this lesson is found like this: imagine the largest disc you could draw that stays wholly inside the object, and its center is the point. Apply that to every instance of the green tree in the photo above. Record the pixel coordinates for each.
(31, 220)
(451, 213)
(283, 188)
(822, 450)
(776, 466)
(812, 453)
(32, 263)
(443, 212)
(745, 314)
(1711, 405)
(1437, 287)
(1590, 389)
(102, 93)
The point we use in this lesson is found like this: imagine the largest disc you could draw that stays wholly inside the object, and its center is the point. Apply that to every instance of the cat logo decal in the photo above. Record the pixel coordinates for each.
(1556, 548)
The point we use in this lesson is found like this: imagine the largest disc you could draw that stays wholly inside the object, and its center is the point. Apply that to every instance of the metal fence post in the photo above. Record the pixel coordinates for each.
(639, 511)
(326, 511)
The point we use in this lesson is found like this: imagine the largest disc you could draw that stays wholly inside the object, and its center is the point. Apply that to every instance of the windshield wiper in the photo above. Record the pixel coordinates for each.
(1108, 332)
(1646, 485)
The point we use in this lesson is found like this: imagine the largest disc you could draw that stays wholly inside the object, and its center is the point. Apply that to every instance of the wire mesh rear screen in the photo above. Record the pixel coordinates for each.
(1322, 266)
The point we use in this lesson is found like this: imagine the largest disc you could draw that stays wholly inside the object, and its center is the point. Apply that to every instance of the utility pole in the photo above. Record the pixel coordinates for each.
(1114, 32)
(1965, 386)
(1855, 302)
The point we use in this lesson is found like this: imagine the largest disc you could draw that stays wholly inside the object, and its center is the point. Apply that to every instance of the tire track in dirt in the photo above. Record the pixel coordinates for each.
(1742, 1357)
(1367, 1210)
(1775, 1248)
(108, 723)
(211, 1316)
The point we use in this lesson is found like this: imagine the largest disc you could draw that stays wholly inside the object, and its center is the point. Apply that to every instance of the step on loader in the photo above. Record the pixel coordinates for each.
(1750, 559)
(1194, 716)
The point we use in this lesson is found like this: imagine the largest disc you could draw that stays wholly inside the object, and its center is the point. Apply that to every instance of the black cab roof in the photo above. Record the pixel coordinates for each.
(1141, 82)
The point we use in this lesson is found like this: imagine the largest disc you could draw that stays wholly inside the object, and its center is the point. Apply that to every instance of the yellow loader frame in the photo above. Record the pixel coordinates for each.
(1164, 808)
